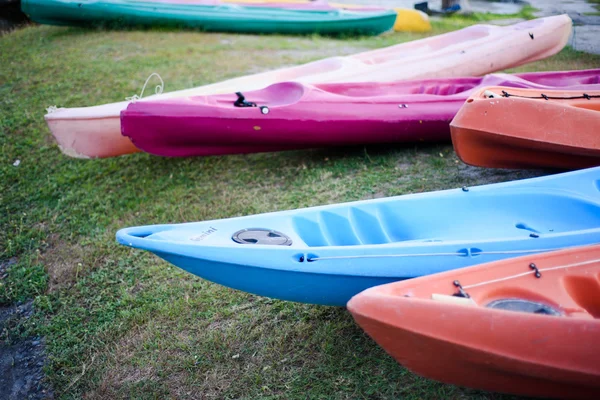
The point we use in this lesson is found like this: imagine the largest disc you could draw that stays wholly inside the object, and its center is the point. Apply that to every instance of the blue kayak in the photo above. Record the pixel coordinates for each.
(327, 254)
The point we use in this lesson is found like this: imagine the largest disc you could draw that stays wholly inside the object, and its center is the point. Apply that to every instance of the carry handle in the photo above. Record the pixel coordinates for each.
(137, 235)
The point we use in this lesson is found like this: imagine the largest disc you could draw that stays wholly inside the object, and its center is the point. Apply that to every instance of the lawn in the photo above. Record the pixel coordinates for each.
(596, 4)
(120, 323)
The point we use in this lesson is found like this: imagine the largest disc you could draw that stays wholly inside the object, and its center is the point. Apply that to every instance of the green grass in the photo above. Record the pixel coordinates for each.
(526, 12)
(596, 4)
(120, 323)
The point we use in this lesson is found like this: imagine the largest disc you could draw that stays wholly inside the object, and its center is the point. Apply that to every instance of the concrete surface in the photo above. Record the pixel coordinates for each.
(586, 29)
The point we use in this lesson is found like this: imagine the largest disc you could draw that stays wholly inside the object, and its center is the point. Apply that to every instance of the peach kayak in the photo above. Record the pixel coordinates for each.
(407, 19)
(502, 127)
(90, 132)
(526, 325)
(294, 114)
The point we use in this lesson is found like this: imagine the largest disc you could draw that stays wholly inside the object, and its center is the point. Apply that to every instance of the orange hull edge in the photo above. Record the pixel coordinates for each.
(519, 132)
(494, 349)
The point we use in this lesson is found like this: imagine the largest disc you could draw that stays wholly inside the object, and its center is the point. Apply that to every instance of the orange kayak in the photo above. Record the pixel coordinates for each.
(502, 127)
(529, 325)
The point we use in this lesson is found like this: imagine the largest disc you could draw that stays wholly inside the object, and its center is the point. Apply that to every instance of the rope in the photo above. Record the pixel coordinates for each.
(514, 251)
(157, 90)
(531, 272)
(475, 253)
(490, 94)
(385, 256)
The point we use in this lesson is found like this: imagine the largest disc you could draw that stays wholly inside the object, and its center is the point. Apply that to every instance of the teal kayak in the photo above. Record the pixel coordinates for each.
(216, 18)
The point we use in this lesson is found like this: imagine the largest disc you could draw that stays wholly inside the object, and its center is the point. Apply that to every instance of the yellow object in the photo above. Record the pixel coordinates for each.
(407, 20)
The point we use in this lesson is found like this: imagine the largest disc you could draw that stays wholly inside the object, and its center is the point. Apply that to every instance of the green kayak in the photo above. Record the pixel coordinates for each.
(215, 17)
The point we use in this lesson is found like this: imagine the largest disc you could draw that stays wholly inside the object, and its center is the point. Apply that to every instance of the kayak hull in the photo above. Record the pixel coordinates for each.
(90, 138)
(221, 17)
(299, 286)
(407, 20)
(304, 115)
(551, 356)
(522, 132)
(454, 54)
(331, 252)
(87, 139)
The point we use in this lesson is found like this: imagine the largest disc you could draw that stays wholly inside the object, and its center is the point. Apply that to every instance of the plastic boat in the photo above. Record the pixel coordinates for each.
(91, 132)
(407, 20)
(327, 254)
(220, 17)
(295, 114)
(527, 325)
(503, 127)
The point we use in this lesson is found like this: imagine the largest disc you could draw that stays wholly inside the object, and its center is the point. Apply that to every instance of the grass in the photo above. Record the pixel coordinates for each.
(526, 12)
(120, 323)
(596, 4)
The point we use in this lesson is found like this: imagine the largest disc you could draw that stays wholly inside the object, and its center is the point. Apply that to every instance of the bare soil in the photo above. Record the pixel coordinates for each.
(21, 360)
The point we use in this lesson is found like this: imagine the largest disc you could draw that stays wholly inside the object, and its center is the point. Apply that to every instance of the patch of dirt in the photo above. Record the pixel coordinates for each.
(474, 176)
(63, 261)
(21, 362)
(136, 367)
(376, 195)
(127, 372)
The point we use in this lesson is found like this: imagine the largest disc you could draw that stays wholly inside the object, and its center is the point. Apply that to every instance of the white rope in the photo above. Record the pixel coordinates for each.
(475, 253)
(157, 90)
(499, 280)
(386, 256)
(531, 272)
(515, 251)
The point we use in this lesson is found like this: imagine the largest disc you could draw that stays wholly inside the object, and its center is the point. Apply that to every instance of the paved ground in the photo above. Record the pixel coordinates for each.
(586, 29)
(475, 5)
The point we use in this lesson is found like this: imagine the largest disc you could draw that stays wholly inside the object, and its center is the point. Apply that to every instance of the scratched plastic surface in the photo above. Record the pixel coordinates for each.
(473, 51)
(303, 115)
(544, 344)
(341, 249)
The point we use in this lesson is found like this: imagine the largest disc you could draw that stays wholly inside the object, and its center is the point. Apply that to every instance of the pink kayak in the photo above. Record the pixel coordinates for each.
(90, 132)
(292, 115)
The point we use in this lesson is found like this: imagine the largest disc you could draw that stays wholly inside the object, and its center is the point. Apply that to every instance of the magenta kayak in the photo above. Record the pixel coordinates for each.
(292, 115)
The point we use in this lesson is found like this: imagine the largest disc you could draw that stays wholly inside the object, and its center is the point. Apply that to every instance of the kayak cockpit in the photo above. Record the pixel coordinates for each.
(455, 218)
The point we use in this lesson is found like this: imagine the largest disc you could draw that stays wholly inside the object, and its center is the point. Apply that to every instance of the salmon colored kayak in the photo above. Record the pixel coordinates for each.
(528, 326)
(90, 132)
(295, 114)
(503, 127)
(407, 20)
